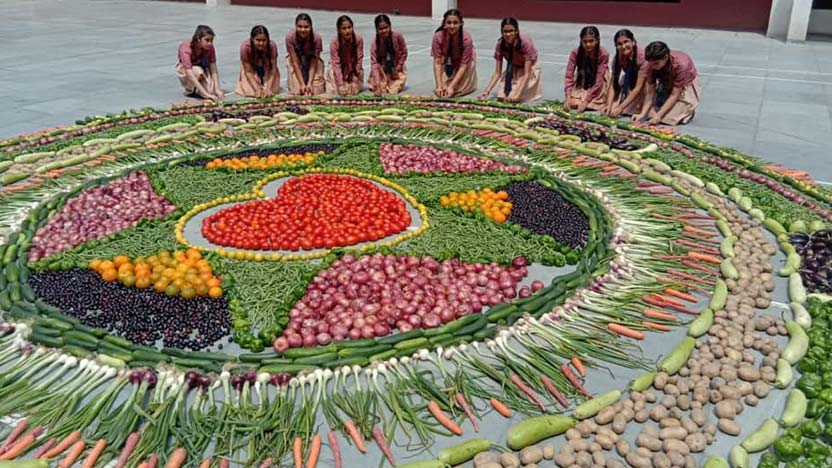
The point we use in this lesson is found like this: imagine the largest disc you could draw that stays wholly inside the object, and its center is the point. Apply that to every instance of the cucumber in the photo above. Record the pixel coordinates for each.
(118, 341)
(356, 344)
(368, 351)
(77, 351)
(473, 327)
(318, 359)
(297, 353)
(350, 361)
(96, 332)
(205, 365)
(451, 327)
(82, 336)
(411, 344)
(248, 357)
(5, 301)
(463, 452)
(393, 339)
(150, 356)
(500, 311)
(285, 368)
(42, 330)
(211, 356)
(58, 324)
(73, 341)
(46, 340)
(387, 355)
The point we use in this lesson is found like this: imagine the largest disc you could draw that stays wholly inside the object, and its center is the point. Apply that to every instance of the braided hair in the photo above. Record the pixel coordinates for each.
(630, 68)
(267, 60)
(656, 51)
(506, 49)
(389, 46)
(588, 66)
(201, 31)
(305, 47)
(456, 52)
(353, 44)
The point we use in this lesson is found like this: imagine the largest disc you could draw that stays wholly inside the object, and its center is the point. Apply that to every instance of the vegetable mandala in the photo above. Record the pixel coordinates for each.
(313, 281)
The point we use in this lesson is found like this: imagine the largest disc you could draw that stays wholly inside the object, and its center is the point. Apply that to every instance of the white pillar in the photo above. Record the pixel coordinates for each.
(778, 19)
(215, 3)
(439, 7)
(799, 23)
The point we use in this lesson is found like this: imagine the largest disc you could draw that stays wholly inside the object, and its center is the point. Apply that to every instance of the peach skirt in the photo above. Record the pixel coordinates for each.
(598, 103)
(200, 75)
(318, 82)
(353, 87)
(389, 86)
(467, 84)
(682, 112)
(534, 87)
(249, 85)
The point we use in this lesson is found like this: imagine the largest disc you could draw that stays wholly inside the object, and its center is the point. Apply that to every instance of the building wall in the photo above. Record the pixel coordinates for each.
(403, 7)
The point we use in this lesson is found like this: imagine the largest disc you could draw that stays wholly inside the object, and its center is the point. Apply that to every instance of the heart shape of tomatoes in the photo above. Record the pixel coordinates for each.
(316, 211)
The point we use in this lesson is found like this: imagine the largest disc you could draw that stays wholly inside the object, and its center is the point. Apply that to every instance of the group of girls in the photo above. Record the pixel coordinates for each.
(654, 83)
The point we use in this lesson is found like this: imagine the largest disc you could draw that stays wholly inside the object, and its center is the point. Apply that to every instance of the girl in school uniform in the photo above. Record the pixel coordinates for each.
(346, 60)
(522, 79)
(629, 73)
(454, 57)
(388, 54)
(197, 65)
(259, 74)
(587, 73)
(304, 65)
(673, 87)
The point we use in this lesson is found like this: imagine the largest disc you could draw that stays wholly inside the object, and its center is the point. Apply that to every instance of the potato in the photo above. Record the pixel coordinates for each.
(509, 460)
(531, 454)
(484, 458)
(675, 444)
(548, 452)
(696, 442)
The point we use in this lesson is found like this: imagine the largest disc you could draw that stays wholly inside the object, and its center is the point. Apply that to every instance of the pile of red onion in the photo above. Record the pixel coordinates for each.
(401, 159)
(99, 212)
(370, 296)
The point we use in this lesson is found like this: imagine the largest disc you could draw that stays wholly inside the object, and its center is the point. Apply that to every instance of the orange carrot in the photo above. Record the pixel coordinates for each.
(705, 258)
(655, 326)
(625, 331)
(267, 463)
(205, 463)
(579, 366)
(20, 447)
(383, 445)
(45, 447)
(336, 449)
(675, 282)
(681, 295)
(129, 446)
(314, 452)
(152, 461)
(666, 300)
(443, 418)
(460, 400)
(701, 232)
(96, 452)
(297, 452)
(63, 445)
(19, 429)
(355, 436)
(705, 239)
(500, 407)
(74, 452)
(655, 314)
(177, 458)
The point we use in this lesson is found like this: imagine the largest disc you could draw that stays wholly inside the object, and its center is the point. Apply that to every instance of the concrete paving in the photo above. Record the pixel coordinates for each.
(64, 60)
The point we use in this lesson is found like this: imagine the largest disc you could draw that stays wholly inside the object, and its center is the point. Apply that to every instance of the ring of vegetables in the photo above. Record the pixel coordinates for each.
(641, 205)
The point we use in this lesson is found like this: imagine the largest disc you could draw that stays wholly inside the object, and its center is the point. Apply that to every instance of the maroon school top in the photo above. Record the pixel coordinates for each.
(245, 52)
(335, 58)
(399, 45)
(603, 60)
(189, 61)
(527, 51)
(684, 71)
(439, 47)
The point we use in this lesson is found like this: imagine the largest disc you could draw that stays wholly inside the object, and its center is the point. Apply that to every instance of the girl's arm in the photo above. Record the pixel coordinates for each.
(438, 63)
(633, 96)
(215, 77)
(313, 68)
(569, 78)
(293, 57)
(458, 74)
(197, 85)
(498, 70)
(521, 84)
(668, 104)
(649, 97)
(609, 106)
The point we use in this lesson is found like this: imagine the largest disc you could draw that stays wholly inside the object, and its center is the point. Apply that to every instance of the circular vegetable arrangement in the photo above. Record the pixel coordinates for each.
(233, 285)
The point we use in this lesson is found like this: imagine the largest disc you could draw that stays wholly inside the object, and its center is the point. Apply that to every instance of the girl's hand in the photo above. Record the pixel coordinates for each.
(378, 91)
(638, 117)
(616, 111)
(439, 91)
(566, 105)
(582, 106)
(656, 120)
(342, 90)
(220, 96)
(484, 95)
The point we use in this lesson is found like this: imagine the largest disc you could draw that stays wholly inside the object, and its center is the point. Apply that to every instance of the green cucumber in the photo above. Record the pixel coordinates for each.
(393, 339)
(411, 344)
(150, 356)
(202, 364)
(453, 326)
(500, 311)
(42, 330)
(463, 452)
(211, 356)
(46, 340)
(356, 343)
(297, 353)
(318, 359)
(285, 368)
(118, 341)
(368, 351)
(77, 351)
(349, 361)
(473, 327)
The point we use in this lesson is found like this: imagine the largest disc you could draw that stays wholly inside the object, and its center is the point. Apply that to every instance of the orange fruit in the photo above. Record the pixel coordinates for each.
(106, 265)
(142, 283)
(119, 260)
(109, 275)
(125, 268)
(215, 292)
(94, 264)
(213, 282)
